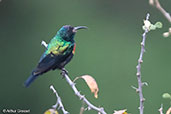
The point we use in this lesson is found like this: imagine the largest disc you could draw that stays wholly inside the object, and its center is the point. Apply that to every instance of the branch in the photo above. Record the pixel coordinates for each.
(168, 111)
(77, 93)
(161, 9)
(82, 97)
(82, 109)
(59, 102)
(161, 109)
(140, 60)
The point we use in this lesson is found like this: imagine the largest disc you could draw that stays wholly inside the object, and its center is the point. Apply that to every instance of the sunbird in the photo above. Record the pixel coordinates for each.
(58, 53)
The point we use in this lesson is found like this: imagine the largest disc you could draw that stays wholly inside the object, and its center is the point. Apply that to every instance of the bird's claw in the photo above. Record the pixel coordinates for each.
(64, 72)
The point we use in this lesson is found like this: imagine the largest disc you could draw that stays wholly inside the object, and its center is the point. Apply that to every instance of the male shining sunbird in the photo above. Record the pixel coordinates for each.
(59, 52)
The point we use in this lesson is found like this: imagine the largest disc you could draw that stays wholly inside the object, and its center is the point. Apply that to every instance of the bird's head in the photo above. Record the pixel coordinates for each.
(67, 32)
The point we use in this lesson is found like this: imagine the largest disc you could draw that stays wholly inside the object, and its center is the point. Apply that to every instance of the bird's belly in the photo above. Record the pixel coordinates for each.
(62, 63)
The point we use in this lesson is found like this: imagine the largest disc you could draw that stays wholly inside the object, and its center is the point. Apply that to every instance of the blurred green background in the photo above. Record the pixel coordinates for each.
(108, 51)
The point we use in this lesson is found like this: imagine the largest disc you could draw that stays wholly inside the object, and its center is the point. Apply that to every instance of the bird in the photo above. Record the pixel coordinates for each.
(58, 53)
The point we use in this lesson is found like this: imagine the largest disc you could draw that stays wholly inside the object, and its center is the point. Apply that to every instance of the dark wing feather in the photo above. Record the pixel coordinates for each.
(45, 64)
(52, 61)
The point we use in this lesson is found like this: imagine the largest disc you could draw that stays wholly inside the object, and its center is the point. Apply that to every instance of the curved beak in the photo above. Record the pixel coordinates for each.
(79, 27)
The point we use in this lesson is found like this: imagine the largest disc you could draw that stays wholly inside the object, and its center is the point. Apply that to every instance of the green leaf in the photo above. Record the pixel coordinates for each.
(166, 96)
(158, 25)
(143, 27)
(153, 27)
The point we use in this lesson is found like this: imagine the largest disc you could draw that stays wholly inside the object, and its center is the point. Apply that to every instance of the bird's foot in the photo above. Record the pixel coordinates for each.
(64, 72)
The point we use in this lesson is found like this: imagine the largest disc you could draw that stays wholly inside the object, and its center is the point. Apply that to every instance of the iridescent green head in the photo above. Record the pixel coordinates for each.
(67, 32)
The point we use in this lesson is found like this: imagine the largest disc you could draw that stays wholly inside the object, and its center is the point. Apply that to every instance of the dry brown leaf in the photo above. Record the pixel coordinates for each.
(120, 112)
(51, 111)
(91, 82)
(168, 111)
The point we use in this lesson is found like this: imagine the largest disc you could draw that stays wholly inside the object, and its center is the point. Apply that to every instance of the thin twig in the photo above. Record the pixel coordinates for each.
(161, 9)
(77, 93)
(166, 14)
(82, 97)
(140, 60)
(161, 109)
(168, 111)
(59, 102)
(82, 109)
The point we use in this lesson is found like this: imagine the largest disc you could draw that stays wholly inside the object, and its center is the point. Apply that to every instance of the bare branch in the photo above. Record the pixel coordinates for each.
(161, 9)
(82, 109)
(161, 109)
(168, 111)
(140, 60)
(82, 97)
(59, 102)
(77, 93)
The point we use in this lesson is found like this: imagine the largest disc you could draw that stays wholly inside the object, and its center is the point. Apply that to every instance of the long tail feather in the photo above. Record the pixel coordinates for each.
(30, 80)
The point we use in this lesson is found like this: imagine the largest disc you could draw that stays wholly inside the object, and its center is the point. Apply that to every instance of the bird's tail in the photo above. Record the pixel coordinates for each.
(30, 80)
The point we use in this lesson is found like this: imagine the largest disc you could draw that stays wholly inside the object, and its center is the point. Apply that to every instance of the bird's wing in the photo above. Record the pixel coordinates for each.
(54, 53)
(44, 65)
